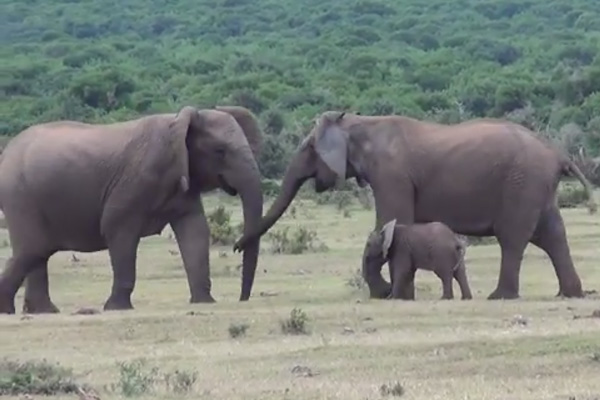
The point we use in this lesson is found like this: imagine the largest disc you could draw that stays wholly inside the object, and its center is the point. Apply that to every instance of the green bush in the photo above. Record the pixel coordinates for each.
(221, 230)
(296, 324)
(135, 378)
(36, 378)
(299, 241)
(237, 330)
(180, 382)
(571, 196)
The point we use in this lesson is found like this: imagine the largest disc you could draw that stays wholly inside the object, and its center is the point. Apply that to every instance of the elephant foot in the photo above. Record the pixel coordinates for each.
(7, 306)
(202, 298)
(571, 293)
(500, 294)
(383, 291)
(39, 307)
(446, 298)
(116, 303)
(467, 297)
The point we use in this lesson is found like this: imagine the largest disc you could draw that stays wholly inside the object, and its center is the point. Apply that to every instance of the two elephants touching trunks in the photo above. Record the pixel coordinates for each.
(73, 186)
(483, 177)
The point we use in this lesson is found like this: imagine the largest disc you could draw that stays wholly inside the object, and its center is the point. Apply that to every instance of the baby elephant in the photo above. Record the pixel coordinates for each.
(430, 246)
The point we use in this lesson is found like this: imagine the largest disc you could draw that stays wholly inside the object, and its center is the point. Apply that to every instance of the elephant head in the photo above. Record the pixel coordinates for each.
(221, 147)
(375, 254)
(325, 155)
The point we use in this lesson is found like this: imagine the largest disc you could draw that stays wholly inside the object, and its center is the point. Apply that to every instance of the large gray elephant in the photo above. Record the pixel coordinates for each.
(431, 246)
(74, 186)
(482, 177)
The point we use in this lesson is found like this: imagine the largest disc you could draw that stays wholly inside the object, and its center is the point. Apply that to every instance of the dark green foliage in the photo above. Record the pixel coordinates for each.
(296, 324)
(35, 378)
(221, 230)
(298, 241)
(287, 61)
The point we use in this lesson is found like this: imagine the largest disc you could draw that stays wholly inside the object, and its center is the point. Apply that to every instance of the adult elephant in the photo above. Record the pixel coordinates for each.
(483, 177)
(74, 186)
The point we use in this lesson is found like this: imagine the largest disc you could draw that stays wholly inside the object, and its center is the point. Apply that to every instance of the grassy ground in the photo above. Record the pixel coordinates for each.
(536, 347)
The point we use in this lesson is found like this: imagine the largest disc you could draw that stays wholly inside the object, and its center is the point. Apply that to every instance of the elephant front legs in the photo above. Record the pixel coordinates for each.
(122, 248)
(193, 235)
(402, 274)
(37, 293)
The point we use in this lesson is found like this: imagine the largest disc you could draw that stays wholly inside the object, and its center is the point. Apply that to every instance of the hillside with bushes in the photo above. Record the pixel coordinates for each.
(534, 61)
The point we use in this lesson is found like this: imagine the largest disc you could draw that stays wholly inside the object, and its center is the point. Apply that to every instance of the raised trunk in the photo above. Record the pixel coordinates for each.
(296, 174)
(247, 183)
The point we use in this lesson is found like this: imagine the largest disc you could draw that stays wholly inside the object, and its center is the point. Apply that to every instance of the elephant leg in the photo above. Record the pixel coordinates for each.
(15, 271)
(550, 236)
(513, 229)
(37, 294)
(510, 266)
(447, 289)
(403, 276)
(31, 249)
(409, 286)
(122, 248)
(460, 274)
(193, 238)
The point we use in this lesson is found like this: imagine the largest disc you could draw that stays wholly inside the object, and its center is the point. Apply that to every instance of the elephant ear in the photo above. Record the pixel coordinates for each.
(186, 119)
(249, 124)
(388, 236)
(331, 144)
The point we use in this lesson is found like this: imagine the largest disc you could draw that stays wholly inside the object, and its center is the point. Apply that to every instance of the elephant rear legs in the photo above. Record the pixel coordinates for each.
(18, 267)
(550, 236)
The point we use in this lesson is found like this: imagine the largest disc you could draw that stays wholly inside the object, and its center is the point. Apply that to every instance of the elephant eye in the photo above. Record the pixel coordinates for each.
(220, 151)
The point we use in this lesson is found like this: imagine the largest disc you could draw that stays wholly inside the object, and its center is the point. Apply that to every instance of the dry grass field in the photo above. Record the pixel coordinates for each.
(537, 347)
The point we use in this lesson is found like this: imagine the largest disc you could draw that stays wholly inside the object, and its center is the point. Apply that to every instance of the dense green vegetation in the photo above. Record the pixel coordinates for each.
(535, 61)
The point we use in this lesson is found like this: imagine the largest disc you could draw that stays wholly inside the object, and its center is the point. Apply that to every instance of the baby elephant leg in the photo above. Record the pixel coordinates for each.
(446, 278)
(403, 279)
(460, 274)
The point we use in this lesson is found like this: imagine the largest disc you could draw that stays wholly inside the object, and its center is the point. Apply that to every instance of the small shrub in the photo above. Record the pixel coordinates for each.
(300, 241)
(180, 381)
(35, 378)
(356, 281)
(395, 390)
(342, 200)
(135, 379)
(570, 196)
(237, 330)
(221, 231)
(296, 323)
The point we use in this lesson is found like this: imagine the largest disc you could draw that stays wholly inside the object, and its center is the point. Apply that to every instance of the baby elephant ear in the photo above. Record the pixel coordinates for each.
(388, 236)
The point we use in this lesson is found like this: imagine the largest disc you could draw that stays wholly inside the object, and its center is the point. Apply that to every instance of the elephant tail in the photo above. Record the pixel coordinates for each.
(569, 168)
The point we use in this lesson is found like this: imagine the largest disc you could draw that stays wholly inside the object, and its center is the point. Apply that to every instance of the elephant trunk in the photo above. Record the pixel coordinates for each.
(296, 174)
(248, 185)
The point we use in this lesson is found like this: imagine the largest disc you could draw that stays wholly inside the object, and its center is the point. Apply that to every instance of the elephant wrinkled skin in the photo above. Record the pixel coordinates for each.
(74, 186)
(482, 177)
(406, 248)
